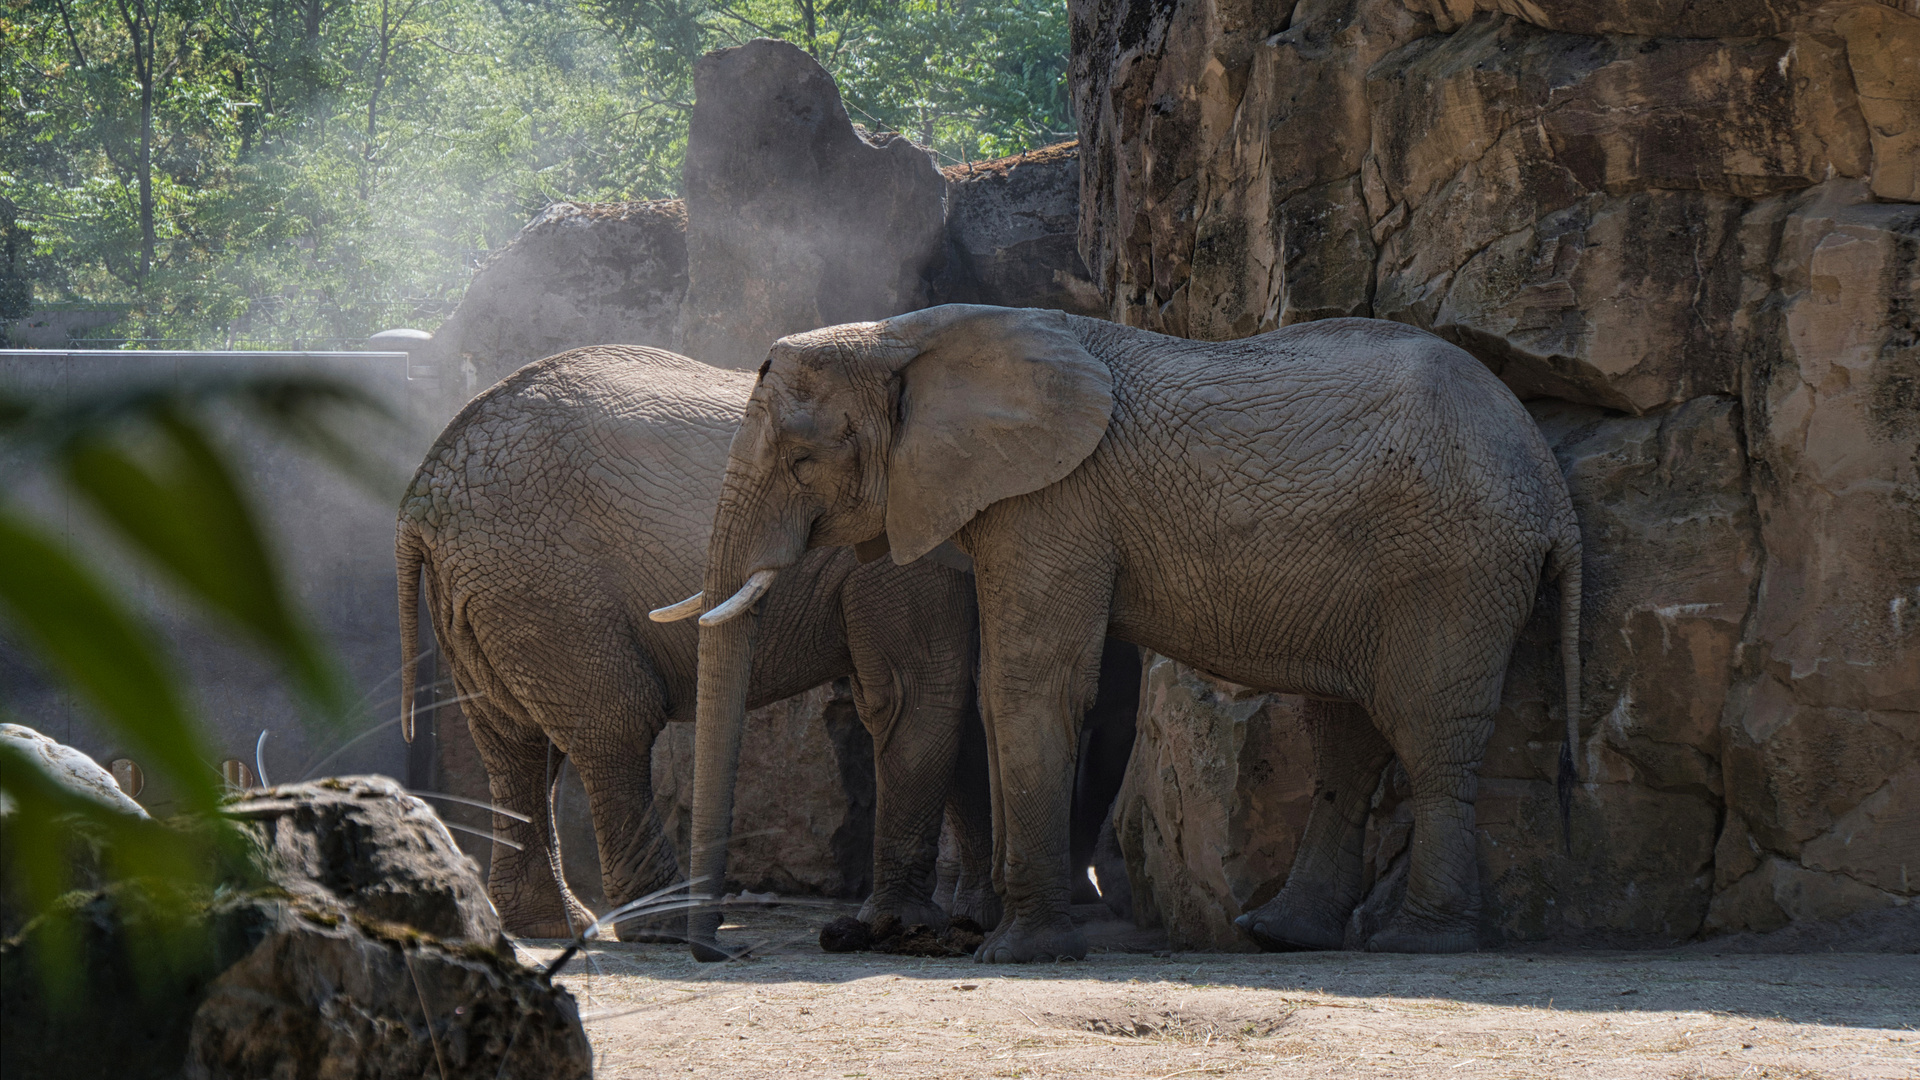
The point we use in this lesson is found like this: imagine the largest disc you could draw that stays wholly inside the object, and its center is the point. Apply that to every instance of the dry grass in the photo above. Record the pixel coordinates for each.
(651, 1011)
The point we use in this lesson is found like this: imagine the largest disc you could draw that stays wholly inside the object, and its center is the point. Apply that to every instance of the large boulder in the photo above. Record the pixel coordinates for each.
(794, 220)
(578, 274)
(1685, 233)
(1216, 795)
(73, 770)
(347, 935)
(365, 843)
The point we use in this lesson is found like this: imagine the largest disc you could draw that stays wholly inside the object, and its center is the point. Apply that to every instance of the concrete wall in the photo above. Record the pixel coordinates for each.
(334, 540)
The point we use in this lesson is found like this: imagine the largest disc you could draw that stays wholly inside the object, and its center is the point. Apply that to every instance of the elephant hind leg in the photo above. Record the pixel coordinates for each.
(613, 709)
(970, 825)
(1324, 885)
(1441, 912)
(522, 881)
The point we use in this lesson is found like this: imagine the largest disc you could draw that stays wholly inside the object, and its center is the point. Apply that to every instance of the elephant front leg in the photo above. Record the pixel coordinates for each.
(1324, 885)
(916, 735)
(1033, 704)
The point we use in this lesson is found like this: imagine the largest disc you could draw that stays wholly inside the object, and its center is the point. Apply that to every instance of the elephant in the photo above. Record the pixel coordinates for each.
(550, 516)
(1352, 510)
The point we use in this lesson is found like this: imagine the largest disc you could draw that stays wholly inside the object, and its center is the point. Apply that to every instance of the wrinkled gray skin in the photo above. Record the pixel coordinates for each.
(1351, 509)
(549, 517)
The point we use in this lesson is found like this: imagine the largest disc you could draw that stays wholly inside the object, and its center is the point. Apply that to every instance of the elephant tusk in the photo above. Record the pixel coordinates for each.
(755, 588)
(685, 609)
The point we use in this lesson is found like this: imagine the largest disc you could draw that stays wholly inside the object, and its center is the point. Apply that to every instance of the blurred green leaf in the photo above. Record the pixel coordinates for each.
(102, 655)
(44, 828)
(172, 497)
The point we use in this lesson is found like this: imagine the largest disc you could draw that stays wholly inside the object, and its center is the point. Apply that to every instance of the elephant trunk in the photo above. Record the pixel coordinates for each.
(755, 537)
(726, 659)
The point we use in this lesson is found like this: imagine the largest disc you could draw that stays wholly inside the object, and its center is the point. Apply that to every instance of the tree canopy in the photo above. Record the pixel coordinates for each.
(301, 173)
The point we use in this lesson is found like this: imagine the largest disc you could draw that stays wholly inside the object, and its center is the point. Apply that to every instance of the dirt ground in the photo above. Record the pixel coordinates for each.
(1685, 1014)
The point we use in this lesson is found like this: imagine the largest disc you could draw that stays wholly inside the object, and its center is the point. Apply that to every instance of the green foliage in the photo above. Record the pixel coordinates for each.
(142, 459)
(305, 172)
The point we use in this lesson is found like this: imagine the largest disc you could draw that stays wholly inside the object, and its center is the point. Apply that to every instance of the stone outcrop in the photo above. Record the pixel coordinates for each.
(355, 940)
(365, 843)
(1687, 235)
(578, 274)
(1013, 234)
(794, 221)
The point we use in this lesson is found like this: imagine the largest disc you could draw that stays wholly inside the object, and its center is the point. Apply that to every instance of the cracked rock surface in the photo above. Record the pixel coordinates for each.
(1687, 234)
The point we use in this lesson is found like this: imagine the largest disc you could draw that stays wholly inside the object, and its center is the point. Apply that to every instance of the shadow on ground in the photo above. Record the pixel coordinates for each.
(1852, 989)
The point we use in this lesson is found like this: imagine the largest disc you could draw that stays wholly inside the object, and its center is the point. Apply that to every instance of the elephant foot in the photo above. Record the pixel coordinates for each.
(655, 931)
(977, 905)
(1410, 933)
(1019, 941)
(555, 927)
(907, 912)
(1288, 923)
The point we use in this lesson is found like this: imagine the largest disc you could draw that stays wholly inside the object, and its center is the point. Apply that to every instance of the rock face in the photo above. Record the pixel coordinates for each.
(1687, 235)
(360, 944)
(1013, 234)
(578, 274)
(795, 221)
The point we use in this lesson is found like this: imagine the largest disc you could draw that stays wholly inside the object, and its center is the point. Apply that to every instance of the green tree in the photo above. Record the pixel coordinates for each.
(305, 172)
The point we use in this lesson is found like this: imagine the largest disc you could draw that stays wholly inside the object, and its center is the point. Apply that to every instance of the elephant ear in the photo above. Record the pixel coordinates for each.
(994, 403)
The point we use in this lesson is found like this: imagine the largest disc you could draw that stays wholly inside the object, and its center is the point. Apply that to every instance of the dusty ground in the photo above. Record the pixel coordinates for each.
(651, 1011)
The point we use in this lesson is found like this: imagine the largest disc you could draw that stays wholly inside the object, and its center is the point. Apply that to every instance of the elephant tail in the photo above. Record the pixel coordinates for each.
(1564, 564)
(410, 556)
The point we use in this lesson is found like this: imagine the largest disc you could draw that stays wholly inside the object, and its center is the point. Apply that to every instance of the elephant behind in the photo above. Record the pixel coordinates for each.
(547, 519)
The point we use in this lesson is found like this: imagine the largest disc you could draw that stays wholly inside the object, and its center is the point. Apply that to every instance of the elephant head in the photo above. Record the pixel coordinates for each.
(887, 436)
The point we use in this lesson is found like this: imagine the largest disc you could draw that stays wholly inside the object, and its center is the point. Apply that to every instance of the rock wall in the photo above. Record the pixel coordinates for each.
(1686, 235)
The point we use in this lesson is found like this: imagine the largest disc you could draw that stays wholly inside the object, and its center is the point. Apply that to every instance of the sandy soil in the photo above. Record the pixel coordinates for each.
(795, 1011)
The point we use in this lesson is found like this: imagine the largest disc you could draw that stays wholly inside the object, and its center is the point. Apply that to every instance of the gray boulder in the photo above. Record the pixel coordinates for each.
(347, 937)
(578, 274)
(364, 842)
(73, 769)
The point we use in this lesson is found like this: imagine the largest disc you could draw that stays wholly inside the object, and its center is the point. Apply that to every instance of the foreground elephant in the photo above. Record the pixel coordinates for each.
(552, 513)
(1352, 510)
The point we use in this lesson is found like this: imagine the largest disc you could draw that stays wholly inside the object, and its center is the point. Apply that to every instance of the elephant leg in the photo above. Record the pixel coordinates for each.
(531, 898)
(1441, 912)
(622, 712)
(911, 687)
(1035, 687)
(970, 822)
(1324, 885)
